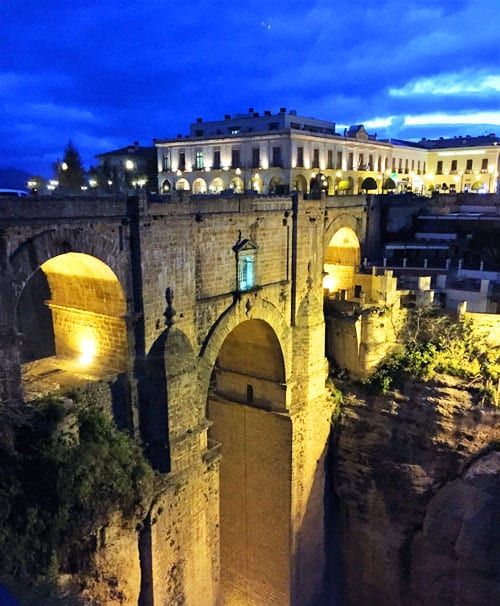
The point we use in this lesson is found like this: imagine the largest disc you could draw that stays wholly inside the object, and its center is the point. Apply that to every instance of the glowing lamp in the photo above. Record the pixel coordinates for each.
(87, 349)
(329, 283)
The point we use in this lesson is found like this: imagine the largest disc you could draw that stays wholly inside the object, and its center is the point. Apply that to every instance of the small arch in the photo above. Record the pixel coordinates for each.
(276, 186)
(182, 185)
(300, 184)
(257, 185)
(216, 186)
(236, 185)
(199, 186)
(166, 186)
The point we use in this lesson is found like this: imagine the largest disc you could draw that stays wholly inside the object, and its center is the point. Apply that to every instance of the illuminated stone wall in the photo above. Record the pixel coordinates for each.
(188, 247)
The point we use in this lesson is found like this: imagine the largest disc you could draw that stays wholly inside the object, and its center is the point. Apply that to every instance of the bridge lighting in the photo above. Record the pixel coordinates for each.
(88, 351)
(329, 283)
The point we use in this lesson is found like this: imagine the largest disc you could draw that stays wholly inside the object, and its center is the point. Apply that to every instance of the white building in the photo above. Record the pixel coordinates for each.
(278, 153)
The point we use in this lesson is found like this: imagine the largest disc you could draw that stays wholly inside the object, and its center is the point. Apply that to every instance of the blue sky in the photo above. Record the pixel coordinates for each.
(105, 73)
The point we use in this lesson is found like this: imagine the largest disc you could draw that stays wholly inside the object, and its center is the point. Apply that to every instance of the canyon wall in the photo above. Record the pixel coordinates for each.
(416, 498)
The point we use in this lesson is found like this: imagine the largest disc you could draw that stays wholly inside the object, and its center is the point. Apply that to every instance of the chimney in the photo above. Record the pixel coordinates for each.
(250, 110)
(267, 112)
(227, 117)
(199, 120)
(282, 110)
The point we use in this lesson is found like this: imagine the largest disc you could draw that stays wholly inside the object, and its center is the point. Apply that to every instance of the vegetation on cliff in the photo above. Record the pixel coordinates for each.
(432, 342)
(63, 471)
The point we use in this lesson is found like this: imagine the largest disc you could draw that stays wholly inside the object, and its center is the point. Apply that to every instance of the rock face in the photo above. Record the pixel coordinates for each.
(416, 480)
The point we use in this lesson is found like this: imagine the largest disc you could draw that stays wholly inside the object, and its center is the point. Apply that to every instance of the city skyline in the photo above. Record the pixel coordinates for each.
(107, 74)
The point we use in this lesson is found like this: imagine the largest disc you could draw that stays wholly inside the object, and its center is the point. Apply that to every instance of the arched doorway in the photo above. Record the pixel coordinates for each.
(300, 184)
(247, 391)
(182, 185)
(342, 258)
(199, 186)
(72, 315)
(237, 185)
(166, 187)
(216, 186)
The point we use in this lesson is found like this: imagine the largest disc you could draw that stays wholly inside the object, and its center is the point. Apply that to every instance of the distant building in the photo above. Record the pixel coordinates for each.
(278, 153)
(126, 169)
(463, 164)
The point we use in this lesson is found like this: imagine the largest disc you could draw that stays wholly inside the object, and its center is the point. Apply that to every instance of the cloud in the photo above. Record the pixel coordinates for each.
(458, 83)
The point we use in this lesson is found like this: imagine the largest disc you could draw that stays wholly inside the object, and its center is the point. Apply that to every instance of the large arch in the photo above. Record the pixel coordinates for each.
(70, 307)
(79, 330)
(247, 387)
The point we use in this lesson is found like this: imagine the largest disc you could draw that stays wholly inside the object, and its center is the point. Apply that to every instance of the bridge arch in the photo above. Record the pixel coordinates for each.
(341, 261)
(70, 307)
(246, 390)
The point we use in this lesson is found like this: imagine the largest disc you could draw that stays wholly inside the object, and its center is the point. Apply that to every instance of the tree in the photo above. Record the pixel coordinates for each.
(70, 172)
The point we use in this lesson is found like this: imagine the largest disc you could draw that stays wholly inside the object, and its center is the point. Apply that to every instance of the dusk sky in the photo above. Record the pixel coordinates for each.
(105, 73)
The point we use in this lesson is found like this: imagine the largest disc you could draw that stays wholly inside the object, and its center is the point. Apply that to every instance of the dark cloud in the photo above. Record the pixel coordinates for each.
(107, 72)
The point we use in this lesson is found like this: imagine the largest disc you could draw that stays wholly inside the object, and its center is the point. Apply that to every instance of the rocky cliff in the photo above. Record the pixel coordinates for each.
(417, 498)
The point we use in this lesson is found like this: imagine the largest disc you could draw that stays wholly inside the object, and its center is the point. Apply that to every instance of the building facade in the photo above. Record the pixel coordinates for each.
(278, 153)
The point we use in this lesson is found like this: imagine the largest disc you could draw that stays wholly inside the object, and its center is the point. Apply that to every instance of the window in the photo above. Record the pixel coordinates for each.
(439, 168)
(370, 162)
(418, 167)
(468, 166)
(166, 162)
(361, 162)
(277, 156)
(198, 133)
(182, 161)
(315, 163)
(400, 166)
(274, 125)
(484, 165)
(300, 157)
(329, 160)
(234, 130)
(453, 166)
(379, 164)
(394, 165)
(339, 160)
(245, 255)
(235, 158)
(199, 160)
(216, 160)
(350, 161)
(255, 157)
(407, 170)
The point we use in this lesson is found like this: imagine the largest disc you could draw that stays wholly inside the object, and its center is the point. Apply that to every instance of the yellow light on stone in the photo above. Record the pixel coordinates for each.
(88, 350)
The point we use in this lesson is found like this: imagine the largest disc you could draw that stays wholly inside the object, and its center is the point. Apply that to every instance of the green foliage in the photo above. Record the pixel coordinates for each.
(433, 343)
(55, 493)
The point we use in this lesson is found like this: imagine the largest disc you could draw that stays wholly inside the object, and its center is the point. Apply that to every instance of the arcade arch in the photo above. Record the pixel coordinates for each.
(247, 388)
(237, 185)
(300, 184)
(182, 185)
(199, 186)
(257, 185)
(216, 186)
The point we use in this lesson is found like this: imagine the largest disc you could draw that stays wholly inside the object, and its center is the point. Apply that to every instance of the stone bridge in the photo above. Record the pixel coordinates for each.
(204, 318)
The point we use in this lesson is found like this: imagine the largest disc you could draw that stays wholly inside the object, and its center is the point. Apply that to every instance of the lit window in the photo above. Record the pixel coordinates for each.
(199, 160)
(245, 255)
